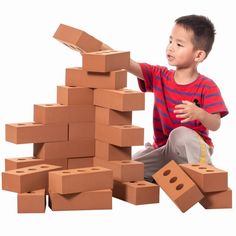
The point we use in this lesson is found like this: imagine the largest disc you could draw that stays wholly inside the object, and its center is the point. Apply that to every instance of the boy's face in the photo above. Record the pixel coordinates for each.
(180, 51)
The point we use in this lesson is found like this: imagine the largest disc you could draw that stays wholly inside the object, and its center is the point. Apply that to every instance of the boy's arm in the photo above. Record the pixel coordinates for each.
(134, 67)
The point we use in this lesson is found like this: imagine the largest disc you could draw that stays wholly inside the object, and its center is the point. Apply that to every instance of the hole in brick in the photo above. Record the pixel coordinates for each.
(81, 170)
(65, 172)
(179, 187)
(125, 162)
(21, 124)
(173, 179)
(19, 171)
(29, 192)
(202, 168)
(210, 171)
(71, 86)
(195, 165)
(95, 169)
(167, 172)
(21, 159)
(141, 184)
(31, 169)
(127, 126)
(43, 166)
(132, 182)
(49, 105)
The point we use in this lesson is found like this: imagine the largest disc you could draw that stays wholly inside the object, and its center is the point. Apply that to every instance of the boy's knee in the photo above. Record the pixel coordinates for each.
(181, 136)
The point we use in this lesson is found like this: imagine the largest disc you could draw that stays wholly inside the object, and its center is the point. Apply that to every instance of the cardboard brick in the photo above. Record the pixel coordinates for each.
(111, 152)
(81, 148)
(68, 95)
(80, 180)
(120, 100)
(127, 170)
(79, 162)
(21, 162)
(28, 178)
(136, 192)
(207, 177)
(91, 200)
(77, 39)
(58, 113)
(120, 135)
(31, 202)
(111, 117)
(105, 61)
(78, 131)
(109, 80)
(36, 133)
(81, 113)
(49, 151)
(50, 113)
(217, 200)
(178, 186)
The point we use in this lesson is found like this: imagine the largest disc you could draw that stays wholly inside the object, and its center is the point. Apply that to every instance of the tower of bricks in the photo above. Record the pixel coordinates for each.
(82, 143)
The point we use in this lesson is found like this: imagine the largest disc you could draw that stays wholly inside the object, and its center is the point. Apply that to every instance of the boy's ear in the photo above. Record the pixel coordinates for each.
(200, 55)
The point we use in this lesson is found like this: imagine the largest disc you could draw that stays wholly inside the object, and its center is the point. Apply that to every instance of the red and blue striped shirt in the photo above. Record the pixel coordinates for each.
(167, 94)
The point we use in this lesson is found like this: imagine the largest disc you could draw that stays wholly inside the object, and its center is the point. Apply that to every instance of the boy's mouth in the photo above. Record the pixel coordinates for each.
(170, 57)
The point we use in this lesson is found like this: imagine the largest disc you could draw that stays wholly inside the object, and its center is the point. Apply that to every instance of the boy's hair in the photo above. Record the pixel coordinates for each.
(203, 30)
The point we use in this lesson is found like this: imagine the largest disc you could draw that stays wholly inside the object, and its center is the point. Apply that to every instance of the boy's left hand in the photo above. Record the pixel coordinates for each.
(188, 111)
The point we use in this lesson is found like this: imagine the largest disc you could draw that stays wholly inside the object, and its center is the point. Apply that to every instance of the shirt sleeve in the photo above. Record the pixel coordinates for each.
(213, 101)
(146, 85)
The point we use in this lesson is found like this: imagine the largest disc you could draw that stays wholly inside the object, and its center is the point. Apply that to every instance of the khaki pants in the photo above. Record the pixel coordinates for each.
(184, 145)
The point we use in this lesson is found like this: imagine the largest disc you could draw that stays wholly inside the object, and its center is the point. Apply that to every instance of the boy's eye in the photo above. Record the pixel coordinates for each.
(179, 45)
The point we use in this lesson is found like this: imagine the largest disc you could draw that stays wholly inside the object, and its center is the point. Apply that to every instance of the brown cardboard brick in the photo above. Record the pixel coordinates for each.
(17, 163)
(77, 39)
(81, 148)
(28, 178)
(80, 180)
(74, 95)
(127, 170)
(81, 113)
(57, 162)
(20, 162)
(78, 131)
(108, 80)
(120, 135)
(36, 133)
(57, 113)
(91, 200)
(207, 177)
(50, 113)
(31, 202)
(120, 100)
(49, 151)
(105, 61)
(111, 117)
(79, 162)
(111, 152)
(178, 186)
(136, 192)
(216, 200)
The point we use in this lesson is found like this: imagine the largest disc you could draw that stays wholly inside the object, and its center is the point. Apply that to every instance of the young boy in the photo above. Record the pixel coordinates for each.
(187, 104)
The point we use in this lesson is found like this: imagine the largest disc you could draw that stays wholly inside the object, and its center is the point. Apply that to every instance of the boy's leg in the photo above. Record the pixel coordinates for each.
(183, 146)
(153, 159)
(188, 146)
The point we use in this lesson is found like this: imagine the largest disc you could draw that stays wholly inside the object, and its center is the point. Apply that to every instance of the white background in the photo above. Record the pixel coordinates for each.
(33, 64)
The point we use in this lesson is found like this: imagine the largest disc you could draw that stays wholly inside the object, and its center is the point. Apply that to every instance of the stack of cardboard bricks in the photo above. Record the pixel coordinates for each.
(82, 144)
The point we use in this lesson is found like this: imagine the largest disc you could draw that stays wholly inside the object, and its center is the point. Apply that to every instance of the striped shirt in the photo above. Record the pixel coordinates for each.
(167, 94)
